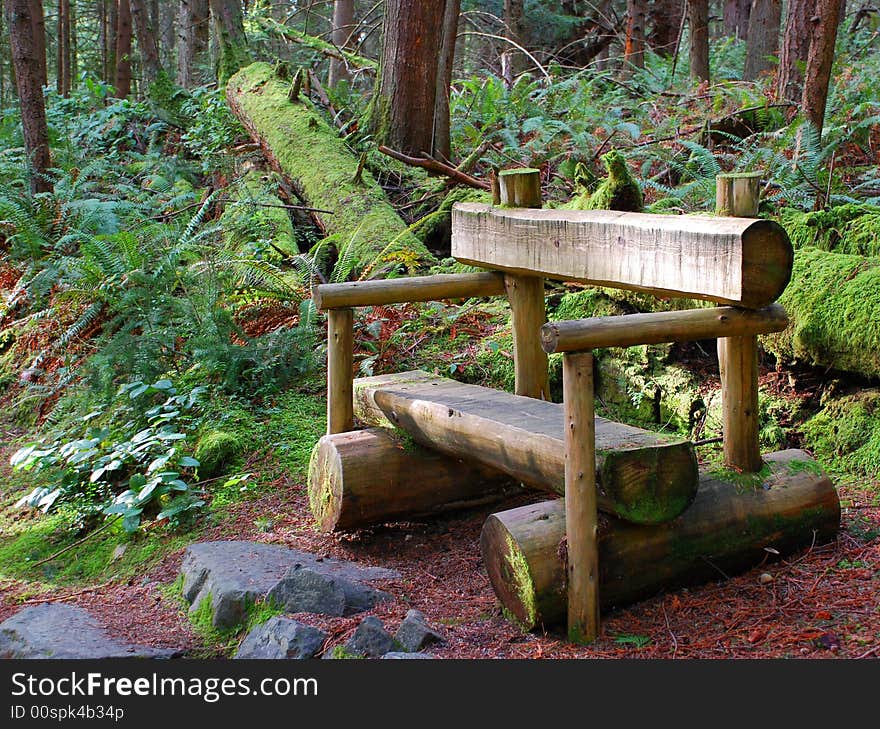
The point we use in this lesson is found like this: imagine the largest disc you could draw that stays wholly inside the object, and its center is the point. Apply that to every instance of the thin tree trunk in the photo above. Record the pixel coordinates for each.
(74, 58)
(343, 27)
(123, 49)
(231, 39)
(698, 20)
(634, 48)
(193, 33)
(764, 21)
(27, 63)
(404, 107)
(167, 35)
(63, 49)
(823, 35)
(665, 19)
(514, 29)
(147, 44)
(442, 132)
(795, 48)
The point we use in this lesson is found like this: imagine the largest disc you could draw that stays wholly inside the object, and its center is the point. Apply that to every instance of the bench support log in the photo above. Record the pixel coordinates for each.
(581, 517)
(340, 363)
(369, 477)
(526, 296)
(724, 531)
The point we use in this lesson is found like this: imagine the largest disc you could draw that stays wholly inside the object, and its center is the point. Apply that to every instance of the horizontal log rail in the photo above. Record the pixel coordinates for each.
(383, 292)
(667, 326)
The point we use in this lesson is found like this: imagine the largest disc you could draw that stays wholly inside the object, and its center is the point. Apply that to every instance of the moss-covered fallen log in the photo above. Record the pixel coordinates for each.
(304, 148)
(726, 529)
(833, 302)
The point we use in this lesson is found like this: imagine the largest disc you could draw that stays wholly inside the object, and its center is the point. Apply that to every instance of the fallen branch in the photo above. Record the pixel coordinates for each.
(429, 163)
(77, 542)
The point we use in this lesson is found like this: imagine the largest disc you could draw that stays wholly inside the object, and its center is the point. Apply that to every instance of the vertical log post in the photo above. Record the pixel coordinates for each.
(340, 362)
(521, 188)
(581, 520)
(738, 195)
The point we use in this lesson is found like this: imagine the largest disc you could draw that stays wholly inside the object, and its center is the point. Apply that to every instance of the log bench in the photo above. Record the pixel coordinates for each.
(465, 444)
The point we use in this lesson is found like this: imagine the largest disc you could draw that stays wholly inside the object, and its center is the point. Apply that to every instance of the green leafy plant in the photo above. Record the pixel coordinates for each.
(133, 471)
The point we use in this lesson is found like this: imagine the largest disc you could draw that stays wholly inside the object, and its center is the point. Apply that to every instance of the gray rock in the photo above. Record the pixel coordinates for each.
(235, 574)
(400, 655)
(414, 632)
(303, 590)
(371, 640)
(280, 638)
(54, 630)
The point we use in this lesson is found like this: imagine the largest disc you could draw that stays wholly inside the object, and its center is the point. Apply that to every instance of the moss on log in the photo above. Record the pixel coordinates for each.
(852, 228)
(846, 433)
(833, 302)
(257, 225)
(734, 517)
(303, 147)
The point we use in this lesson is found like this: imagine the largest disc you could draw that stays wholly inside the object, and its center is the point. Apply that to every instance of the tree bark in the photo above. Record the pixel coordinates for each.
(698, 20)
(193, 33)
(343, 27)
(736, 18)
(665, 21)
(823, 35)
(123, 49)
(442, 132)
(167, 34)
(39, 35)
(724, 531)
(794, 51)
(634, 48)
(147, 44)
(514, 29)
(763, 37)
(231, 39)
(20, 19)
(404, 107)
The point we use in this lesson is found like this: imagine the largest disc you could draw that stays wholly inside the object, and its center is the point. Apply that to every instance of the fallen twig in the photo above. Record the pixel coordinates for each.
(76, 543)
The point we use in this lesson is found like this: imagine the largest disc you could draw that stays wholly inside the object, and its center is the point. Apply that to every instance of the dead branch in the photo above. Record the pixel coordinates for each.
(429, 163)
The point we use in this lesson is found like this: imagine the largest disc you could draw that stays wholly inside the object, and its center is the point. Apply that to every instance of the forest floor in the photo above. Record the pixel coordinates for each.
(820, 603)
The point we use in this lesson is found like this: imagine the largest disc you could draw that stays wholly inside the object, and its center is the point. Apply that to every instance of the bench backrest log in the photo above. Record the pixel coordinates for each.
(739, 261)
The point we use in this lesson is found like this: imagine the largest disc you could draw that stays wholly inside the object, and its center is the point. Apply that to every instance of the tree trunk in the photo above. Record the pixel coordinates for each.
(28, 66)
(193, 33)
(823, 35)
(343, 27)
(147, 44)
(763, 37)
(366, 477)
(644, 477)
(725, 530)
(665, 21)
(123, 49)
(167, 34)
(442, 132)
(795, 48)
(39, 35)
(698, 20)
(514, 28)
(231, 39)
(403, 108)
(736, 18)
(634, 48)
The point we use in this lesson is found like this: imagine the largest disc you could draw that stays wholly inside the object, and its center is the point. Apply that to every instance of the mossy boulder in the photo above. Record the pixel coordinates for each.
(852, 228)
(833, 302)
(845, 434)
(257, 225)
(309, 152)
(215, 450)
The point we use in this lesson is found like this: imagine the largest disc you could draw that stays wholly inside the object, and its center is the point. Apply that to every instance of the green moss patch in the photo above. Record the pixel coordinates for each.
(851, 228)
(258, 225)
(833, 302)
(845, 434)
